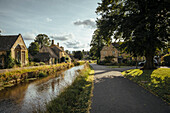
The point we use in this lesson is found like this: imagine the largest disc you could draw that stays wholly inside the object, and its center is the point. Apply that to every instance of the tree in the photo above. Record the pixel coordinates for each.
(142, 24)
(33, 48)
(43, 40)
(78, 55)
(96, 44)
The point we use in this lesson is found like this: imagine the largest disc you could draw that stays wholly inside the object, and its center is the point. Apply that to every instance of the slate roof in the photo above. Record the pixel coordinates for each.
(7, 41)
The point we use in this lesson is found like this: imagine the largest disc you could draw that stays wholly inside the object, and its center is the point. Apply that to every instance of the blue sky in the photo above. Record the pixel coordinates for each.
(69, 22)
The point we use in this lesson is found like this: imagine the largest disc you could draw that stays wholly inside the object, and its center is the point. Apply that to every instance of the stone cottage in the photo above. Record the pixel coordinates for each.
(112, 50)
(16, 45)
(52, 55)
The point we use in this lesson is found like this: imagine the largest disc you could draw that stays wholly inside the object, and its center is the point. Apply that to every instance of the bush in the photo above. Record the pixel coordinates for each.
(36, 64)
(18, 63)
(166, 59)
(42, 63)
(42, 74)
(9, 61)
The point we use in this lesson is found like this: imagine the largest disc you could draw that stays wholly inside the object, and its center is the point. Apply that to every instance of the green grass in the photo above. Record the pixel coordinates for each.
(77, 97)
(156, 81)
(118, 66)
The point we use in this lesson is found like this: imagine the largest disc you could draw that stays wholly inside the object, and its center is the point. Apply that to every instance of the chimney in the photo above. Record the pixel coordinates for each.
(52, 42)
(58, 44)
(62, 48)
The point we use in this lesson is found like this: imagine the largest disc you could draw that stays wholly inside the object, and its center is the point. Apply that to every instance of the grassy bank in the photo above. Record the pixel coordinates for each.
(75, 98)
(156, 81)
(11, 78)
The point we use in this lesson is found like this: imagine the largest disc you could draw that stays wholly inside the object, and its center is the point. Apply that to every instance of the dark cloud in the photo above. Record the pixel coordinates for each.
(89, 22)
(62, 37)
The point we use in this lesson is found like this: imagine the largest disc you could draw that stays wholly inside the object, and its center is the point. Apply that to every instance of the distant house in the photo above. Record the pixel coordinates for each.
(59, 51)
(52, 55)
(112, 50)
(46, 55)
(14, 44)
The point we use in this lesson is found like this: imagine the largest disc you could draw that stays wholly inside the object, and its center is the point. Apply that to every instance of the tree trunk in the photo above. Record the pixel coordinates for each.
(149, 64)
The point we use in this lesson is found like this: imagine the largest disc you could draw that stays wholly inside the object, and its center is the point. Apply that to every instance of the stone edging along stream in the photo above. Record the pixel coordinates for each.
(12, 78)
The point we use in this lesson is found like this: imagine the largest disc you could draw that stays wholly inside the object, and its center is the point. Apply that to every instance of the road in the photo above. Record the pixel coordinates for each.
(115, 94)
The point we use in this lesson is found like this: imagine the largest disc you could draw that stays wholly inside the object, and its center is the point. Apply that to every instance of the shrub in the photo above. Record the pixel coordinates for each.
(42, 63)
(9, 61)
(36, 64)
(166, 59)
(109, 59)
(42, 74)
(18, 63)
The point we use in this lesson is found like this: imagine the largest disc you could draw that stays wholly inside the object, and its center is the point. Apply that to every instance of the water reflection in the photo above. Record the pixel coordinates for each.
(26, 97)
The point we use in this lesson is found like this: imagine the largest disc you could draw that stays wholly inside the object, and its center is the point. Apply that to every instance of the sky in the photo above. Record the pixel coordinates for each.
(69, 22)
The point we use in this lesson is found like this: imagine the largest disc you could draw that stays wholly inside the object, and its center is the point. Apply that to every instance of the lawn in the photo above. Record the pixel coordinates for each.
(156, 81)
(77, 97)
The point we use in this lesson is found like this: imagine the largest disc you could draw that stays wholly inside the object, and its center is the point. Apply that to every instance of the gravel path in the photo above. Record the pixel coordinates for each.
(115, 94)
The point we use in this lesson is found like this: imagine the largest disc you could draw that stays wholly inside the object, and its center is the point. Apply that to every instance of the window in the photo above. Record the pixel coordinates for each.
(113, 52)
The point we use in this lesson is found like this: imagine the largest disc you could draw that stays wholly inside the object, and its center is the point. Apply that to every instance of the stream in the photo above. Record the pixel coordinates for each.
(29, 96)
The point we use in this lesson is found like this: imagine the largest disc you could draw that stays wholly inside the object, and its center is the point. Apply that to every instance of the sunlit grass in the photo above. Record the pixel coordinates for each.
(77, 97)
(157, 81)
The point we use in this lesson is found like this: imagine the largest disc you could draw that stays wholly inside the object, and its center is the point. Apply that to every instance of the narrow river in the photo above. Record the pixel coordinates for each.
(27, 97)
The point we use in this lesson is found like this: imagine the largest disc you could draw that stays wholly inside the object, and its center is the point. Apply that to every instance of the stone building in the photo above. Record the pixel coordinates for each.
(113, 50)
(14, 44)
(52, 55)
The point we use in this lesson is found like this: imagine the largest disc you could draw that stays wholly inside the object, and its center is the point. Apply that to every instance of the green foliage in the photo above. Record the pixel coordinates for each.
(42, 74)
(96, 44)
(31, 73)
(76, 98)
(43, 39)
(18, 63)
(78, 55)
(157, 81)
(167, 59)
(42, 63)
(36, 64)
(9, 61)
(138, 23)
(109, 58)
(33, 48)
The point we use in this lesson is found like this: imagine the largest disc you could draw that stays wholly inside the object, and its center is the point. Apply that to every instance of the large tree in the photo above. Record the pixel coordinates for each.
(33, 48)
(142, 24)
(78, 55)
(96, 44)
(43, 40)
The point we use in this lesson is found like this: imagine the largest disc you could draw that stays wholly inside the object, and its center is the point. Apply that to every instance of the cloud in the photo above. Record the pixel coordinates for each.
(63, 37)
(89, 22)
(75, 44)
(48, 19)
(2, 31)
(29, 36)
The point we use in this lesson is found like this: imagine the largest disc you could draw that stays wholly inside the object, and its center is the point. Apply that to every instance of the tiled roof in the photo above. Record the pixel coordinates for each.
(7, 41)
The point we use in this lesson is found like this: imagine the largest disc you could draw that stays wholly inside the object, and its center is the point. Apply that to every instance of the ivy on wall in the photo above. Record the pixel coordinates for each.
(9, 61)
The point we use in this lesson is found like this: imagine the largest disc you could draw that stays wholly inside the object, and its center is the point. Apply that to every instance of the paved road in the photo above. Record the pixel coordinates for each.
(115, 94)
